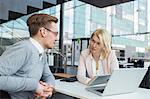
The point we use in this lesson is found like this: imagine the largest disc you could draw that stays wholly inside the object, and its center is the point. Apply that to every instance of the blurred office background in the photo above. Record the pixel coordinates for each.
(127, 23)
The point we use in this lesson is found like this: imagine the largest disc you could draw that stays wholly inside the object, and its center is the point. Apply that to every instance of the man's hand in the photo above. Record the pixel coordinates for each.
(45, 90)
(48, 89)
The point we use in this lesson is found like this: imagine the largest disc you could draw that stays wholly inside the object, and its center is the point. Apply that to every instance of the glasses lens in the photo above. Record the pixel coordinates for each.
(51, 31)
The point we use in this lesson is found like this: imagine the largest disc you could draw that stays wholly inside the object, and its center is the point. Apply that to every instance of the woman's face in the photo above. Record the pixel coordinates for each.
(96, 45)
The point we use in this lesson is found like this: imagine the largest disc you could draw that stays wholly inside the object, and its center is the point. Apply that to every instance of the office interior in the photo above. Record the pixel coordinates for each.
(126, 20)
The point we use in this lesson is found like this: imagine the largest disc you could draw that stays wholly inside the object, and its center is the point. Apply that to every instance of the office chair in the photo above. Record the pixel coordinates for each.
(146, 80)
(4, 95)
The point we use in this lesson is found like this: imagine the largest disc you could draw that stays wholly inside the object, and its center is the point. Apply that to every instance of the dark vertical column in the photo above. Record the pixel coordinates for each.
(3, 10)
(61, 34)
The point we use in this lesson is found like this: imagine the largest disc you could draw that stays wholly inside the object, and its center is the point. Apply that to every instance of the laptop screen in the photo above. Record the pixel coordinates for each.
(99, 80)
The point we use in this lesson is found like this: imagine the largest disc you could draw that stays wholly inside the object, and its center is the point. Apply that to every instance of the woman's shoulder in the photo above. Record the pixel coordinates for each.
(112, 53)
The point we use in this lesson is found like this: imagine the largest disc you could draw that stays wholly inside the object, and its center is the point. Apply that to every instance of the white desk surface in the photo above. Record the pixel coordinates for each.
(77, 90)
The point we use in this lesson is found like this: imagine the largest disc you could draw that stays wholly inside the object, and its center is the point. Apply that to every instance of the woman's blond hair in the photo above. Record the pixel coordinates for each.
(103, 35)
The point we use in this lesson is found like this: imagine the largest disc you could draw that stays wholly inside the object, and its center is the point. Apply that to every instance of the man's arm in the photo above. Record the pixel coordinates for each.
(48, 81)
(15, 84)
(47, 76)
(10, 62)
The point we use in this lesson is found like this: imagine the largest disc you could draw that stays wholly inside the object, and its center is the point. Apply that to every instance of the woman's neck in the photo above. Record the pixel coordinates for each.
(96, 56)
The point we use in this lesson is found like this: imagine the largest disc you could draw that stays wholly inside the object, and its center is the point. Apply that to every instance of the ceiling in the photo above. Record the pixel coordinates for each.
(13, 9)
(104, 3)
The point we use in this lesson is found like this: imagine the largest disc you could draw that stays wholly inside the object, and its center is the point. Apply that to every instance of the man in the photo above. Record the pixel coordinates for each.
(24, 72)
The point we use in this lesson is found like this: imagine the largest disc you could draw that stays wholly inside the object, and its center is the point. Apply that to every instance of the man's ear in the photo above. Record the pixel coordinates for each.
(43, 32)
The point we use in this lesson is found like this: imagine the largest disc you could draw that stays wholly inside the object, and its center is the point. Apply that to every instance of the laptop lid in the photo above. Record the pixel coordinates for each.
(121, 81)
(99, 80)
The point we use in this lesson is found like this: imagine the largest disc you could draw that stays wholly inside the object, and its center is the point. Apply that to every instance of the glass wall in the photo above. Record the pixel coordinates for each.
(122, 21)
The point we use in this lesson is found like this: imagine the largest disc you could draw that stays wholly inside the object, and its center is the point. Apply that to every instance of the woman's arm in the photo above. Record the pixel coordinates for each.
(81, 74)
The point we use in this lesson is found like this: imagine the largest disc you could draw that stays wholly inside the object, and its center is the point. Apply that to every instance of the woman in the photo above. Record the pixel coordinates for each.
(98, 59)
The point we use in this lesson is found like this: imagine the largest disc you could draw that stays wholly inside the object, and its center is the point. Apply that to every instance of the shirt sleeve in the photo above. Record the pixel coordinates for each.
(16, 84)
(81, 74)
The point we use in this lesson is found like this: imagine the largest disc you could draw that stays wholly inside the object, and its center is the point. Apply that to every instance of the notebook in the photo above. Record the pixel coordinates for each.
(121, 81)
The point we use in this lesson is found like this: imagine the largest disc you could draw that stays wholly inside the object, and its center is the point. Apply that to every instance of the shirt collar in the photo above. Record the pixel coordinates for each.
(37, 45)
(90, 55)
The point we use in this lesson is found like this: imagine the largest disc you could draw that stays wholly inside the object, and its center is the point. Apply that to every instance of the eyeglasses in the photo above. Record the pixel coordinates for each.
(55, 33)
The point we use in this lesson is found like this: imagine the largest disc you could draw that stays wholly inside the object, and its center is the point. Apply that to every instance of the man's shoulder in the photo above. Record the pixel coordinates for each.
(23, 44)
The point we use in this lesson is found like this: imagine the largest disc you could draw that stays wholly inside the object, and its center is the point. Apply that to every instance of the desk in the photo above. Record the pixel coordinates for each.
(63, 75)
(77, 90)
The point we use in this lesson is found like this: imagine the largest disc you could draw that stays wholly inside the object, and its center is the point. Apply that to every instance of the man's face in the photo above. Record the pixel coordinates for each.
(51, 35)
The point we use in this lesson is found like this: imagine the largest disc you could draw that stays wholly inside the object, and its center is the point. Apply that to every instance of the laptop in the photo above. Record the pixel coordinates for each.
(121, 81)
(103, 79)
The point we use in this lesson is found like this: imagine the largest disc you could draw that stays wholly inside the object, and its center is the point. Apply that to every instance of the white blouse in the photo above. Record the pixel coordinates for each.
(100, 70)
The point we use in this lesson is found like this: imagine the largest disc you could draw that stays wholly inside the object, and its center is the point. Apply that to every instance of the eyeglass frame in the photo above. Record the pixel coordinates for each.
(55, 33)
